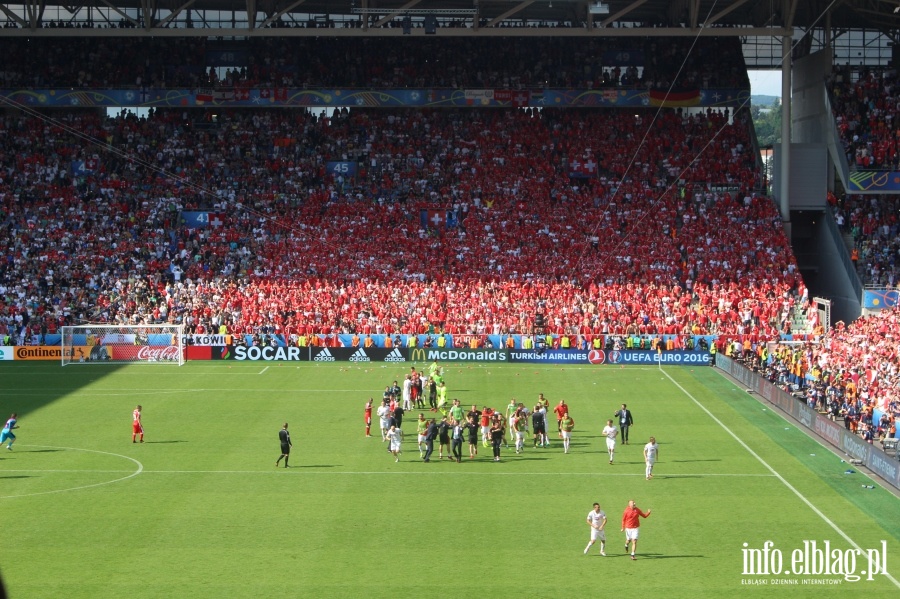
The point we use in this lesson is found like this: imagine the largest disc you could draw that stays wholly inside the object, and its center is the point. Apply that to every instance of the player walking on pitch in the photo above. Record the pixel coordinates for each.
(395, 440)
(136, 427)
(610, 432)
(285, 438)
(596, 519)
(651, 453)
(368, 417)
(566, 426)
(631, 523)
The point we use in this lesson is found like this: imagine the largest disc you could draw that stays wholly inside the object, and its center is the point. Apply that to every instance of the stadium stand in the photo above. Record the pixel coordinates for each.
(872, 225)
(851, 374)
(864, 112)
(297, 252)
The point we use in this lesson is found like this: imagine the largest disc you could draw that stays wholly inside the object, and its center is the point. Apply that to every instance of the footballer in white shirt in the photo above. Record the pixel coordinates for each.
(651, 453)
(610, 432)
(596, 519)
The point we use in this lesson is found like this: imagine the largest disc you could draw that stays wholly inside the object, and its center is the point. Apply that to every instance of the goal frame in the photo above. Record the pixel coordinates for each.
(122, 344)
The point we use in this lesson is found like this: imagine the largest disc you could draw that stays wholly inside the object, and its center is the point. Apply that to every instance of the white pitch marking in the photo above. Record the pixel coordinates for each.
(140, 468)
(263, 370)
(784, 481)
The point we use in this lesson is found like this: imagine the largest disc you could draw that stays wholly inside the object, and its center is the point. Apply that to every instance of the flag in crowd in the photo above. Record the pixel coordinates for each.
(196, 220)
(436, 219)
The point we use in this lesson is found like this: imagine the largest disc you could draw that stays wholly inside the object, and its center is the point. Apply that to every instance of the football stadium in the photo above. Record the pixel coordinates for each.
(355, 297)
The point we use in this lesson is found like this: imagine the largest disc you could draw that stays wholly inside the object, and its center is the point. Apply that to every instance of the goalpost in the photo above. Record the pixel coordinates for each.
(122, 344)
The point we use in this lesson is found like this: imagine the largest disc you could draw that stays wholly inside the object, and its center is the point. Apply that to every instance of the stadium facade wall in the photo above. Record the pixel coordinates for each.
(830, 433)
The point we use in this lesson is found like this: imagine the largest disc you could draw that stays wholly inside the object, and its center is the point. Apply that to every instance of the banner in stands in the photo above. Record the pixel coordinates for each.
(875, 299)
(341, 169)
(7, 353)
(364, 98)
(823, 427)
(197, 220)
(880, 181)
(54, 352)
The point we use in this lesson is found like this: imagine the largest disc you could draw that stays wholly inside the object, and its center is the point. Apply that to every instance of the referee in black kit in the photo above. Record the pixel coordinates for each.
(285, 437)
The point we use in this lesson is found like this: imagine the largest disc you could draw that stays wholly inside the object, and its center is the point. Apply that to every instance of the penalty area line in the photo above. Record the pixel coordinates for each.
(776, 474)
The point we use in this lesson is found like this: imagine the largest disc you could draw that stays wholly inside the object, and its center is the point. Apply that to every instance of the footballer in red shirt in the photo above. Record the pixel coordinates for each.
(368, 417)
(631, 522)
(136, 427)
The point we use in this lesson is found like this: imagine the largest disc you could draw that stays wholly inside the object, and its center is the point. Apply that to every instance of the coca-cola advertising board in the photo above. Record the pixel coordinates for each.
(158, 353)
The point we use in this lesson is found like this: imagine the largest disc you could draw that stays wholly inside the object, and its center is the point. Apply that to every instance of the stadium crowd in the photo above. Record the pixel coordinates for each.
(872, 223)
(646, 245)
(849, 374)
(299, 62)
(864, 113)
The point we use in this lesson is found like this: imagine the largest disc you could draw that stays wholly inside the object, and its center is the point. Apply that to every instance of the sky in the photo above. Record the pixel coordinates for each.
(765, 83)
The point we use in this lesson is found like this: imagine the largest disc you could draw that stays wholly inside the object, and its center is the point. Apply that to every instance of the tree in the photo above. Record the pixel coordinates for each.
(767, 122)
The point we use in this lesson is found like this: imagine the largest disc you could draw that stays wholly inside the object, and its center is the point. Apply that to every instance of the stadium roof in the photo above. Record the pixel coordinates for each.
(455, 17)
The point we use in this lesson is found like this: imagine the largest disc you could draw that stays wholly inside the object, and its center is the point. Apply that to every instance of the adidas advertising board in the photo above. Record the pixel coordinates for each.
(358, 356)
(395, 356)
(323, 355)
(307, 354)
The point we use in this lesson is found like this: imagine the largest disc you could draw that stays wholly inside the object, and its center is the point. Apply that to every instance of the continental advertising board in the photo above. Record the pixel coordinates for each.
(54, 352)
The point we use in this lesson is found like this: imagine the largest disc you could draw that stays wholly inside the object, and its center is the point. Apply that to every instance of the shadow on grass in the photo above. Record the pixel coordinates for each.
(15, 476)
(31, 385)
(318, 466)
(173, 441)
(689, 461)
(41, 450)
(664, 556)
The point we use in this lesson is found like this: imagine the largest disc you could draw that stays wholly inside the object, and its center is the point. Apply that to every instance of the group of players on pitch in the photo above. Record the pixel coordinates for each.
(491, 427)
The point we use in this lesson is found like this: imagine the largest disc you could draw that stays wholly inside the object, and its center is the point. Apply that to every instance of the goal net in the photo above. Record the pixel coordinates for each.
(118, 344)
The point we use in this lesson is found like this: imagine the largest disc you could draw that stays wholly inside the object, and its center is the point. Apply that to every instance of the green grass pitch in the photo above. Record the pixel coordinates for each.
(199, 510)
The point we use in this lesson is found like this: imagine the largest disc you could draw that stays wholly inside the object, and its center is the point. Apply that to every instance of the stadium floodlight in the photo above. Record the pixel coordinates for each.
(598, 8)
